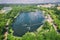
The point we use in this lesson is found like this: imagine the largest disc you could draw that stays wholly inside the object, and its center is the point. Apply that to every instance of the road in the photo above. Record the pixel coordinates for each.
(6, 28)
(50, 20)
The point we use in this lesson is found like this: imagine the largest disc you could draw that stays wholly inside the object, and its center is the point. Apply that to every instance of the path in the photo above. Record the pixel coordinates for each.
(50, 20)
(6, 28)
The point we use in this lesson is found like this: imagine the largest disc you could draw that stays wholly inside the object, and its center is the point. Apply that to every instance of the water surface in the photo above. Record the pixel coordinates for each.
(27, 22)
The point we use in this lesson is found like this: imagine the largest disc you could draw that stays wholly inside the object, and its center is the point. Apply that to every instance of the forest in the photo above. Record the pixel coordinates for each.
(47, 32)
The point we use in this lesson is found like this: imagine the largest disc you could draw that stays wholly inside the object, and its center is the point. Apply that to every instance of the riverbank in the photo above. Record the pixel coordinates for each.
(9, 22)
(41, 33)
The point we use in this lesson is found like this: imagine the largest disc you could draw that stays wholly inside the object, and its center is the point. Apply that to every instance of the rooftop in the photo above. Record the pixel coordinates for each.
(5, 9)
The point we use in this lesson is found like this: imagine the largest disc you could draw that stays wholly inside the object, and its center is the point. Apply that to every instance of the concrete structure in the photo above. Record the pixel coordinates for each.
(58, 4)
(58, 8)
(5, 10)
(46, 5)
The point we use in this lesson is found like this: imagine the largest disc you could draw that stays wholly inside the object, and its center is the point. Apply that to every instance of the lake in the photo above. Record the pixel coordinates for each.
(29, 21)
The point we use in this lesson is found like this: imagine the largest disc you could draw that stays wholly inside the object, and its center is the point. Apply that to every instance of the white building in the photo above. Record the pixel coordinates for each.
(5, 9)
(46, 5)
(58, 8)
(59, 5)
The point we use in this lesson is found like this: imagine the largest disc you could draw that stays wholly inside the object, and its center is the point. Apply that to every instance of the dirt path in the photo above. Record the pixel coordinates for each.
(5, 35)
(50, 20)
(6, 28)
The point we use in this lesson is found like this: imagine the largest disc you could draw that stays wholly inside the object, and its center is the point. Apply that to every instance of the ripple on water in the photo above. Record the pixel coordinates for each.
(27, 22)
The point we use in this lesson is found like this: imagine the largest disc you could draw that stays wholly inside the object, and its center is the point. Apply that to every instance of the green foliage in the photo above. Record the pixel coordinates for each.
(42, 35)
(47, 32)
(29, 36)
(46, 25)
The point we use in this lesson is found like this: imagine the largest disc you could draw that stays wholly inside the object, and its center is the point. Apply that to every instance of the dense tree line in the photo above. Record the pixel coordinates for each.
(47, 32)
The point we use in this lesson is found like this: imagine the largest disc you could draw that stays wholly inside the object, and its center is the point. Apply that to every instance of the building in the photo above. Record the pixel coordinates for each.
(46, 5)
(5, 10)
(58, 8)
(59, 5)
